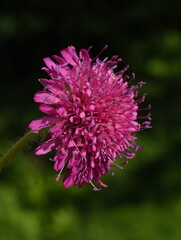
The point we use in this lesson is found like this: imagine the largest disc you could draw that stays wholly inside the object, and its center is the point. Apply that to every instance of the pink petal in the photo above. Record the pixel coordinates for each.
(63, 70)
(71, 162)
(47, 109)
(61, 112)
(52, 86)
(40, 123)
(57, 130)
(68, 180)
(88, 92)
(70, 144)
(82, 114)
(45, 147)
(60, 164)
(60, 159)
(45, 97)
(92, 107)
(59, 59)
(49, 63)
(86, 57)
(70, 55)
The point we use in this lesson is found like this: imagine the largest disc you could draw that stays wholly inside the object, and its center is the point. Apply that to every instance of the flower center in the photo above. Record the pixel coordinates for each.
(74, 119)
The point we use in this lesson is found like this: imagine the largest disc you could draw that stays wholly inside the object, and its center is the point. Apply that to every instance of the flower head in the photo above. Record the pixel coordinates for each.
(92, 115)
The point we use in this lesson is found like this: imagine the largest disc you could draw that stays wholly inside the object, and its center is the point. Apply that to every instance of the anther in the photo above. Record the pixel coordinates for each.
(105, 47)
(117, 165)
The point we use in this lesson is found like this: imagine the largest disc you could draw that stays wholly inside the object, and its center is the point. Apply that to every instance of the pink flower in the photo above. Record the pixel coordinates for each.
(91, 116)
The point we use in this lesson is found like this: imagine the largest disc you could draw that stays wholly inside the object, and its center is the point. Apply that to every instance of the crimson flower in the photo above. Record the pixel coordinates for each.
(91, 117)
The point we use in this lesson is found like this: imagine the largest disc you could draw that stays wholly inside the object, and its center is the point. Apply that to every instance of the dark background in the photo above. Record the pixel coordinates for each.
(143, 201)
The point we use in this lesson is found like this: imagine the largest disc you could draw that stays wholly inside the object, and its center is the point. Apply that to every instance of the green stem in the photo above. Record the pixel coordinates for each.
(19, 145)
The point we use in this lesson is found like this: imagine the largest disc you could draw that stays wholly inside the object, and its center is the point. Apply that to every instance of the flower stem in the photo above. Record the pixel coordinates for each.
(19, 145)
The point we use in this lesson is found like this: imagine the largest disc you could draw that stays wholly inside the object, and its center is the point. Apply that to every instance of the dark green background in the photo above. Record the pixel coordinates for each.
(143, 201)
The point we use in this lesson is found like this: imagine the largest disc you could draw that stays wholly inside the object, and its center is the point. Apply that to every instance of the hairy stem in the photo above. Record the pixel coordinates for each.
(19, 145)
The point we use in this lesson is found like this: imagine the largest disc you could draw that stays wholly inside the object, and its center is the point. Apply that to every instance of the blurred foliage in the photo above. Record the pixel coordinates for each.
(143, 201)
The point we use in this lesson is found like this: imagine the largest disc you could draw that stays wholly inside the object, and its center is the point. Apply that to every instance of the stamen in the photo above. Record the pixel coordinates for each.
(59, 175)
(94, 187)
(58, 78)
(145, 117)
(131, 79)
(106, 46)
(141, 84)
(117, 165)
(146, 108)
(141, 99)
(125, 163)
(123, 70)
(79, 151)
(64, 65)
(89, 48)
(126, 77)
(113, 67)
(105, 59)
(105, 155)
(112, 172)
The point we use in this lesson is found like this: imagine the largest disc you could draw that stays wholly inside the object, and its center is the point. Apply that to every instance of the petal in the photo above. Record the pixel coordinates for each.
(70, 55)
(68, 180)
(49, 63)
(51, 72)
(64, 71)
(60, 160)
(61, 111)
(40, 123)
(88, 92)
(59, 165)
(56, 130)
(85, 56)
(92, 107)
(61, 68)
(59, 59)
(82, 114)
(47, 109)
(46, 97)
(46, 147)
(71, 162)
(52, 86)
